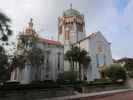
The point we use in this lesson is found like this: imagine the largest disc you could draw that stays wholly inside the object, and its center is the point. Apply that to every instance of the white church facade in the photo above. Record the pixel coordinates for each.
(71, 31)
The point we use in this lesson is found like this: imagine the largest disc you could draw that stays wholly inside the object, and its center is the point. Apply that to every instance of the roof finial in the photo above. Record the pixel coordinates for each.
(31, 23)
(71, 5)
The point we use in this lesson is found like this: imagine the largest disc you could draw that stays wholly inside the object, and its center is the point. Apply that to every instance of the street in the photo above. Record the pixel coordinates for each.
(117, 96)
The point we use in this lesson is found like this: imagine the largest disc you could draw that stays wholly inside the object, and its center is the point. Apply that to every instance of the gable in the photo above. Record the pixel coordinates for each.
(101, 38)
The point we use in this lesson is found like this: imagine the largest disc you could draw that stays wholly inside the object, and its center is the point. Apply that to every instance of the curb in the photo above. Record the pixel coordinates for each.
(91, 95)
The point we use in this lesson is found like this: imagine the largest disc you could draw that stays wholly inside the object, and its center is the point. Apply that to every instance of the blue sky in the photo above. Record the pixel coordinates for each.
(121, 5)
(112, 17)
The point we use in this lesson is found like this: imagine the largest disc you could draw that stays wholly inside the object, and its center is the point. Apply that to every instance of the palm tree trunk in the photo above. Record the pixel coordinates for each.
(76, 67)
(82, 73)
(79, 71)
(73, 65)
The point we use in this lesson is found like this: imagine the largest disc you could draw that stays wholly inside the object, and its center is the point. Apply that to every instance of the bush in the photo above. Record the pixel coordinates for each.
(116, 73)
(43, 84)
(67, 76)
(130, 73)
(102, 81)
(11, 83)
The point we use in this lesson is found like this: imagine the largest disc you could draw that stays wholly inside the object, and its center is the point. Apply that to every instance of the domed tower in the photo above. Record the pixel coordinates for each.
(29, 31)
(27, 37)
(71, 26)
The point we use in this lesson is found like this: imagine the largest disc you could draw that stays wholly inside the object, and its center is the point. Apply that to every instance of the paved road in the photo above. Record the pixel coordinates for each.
(116, 96)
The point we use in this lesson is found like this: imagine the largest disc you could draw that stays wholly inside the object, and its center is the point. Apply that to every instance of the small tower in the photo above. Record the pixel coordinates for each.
(71, 26)
(27, 37)
(29, 29)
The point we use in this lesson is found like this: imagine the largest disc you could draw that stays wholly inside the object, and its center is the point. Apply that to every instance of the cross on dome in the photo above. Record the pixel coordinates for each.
(71, 5)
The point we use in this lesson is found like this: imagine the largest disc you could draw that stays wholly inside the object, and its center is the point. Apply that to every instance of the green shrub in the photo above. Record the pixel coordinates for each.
(116, 73)
(68, 76)
(102, 81)
(130, 73)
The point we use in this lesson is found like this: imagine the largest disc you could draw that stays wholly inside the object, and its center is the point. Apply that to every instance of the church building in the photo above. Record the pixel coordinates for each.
(71, 26)
(71, 31)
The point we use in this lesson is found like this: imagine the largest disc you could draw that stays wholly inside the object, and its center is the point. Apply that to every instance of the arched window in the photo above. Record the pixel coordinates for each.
(47, 61)
(97, 60)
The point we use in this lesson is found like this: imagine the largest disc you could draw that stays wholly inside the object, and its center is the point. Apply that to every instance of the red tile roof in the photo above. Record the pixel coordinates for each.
(50, 42)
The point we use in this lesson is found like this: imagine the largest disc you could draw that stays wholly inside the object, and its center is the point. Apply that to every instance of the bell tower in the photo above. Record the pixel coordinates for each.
(71, 26)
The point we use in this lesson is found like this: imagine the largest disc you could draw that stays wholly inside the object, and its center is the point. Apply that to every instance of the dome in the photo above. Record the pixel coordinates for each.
(71, 12)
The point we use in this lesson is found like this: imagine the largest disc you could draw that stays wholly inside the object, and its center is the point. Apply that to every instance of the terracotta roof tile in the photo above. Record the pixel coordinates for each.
(50, 42)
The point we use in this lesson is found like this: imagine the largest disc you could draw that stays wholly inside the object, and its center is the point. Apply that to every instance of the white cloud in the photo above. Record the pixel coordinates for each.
(99, 15)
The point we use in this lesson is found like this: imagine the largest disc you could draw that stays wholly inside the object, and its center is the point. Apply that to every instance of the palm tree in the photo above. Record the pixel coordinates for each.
(72, 56)
(84, 61)
(68, 57)
(29, 54)
(76, 55)
(36, 58)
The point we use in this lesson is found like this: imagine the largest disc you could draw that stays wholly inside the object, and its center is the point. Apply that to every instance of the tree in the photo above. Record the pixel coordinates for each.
(67, 75)
(72, 56)
(84, 60)
(127, 64)
(30, 54)
(76, 55)
(5, 32)
(19, 60)
(68, 56)
(35, 57)
(4, 75)
(116, 72)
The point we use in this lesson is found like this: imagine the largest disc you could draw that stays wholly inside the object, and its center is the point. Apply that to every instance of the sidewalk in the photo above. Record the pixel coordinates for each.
(83, 95)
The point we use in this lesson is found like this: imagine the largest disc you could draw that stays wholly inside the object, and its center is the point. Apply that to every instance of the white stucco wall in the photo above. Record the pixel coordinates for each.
(27, 74)
(91, 45)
